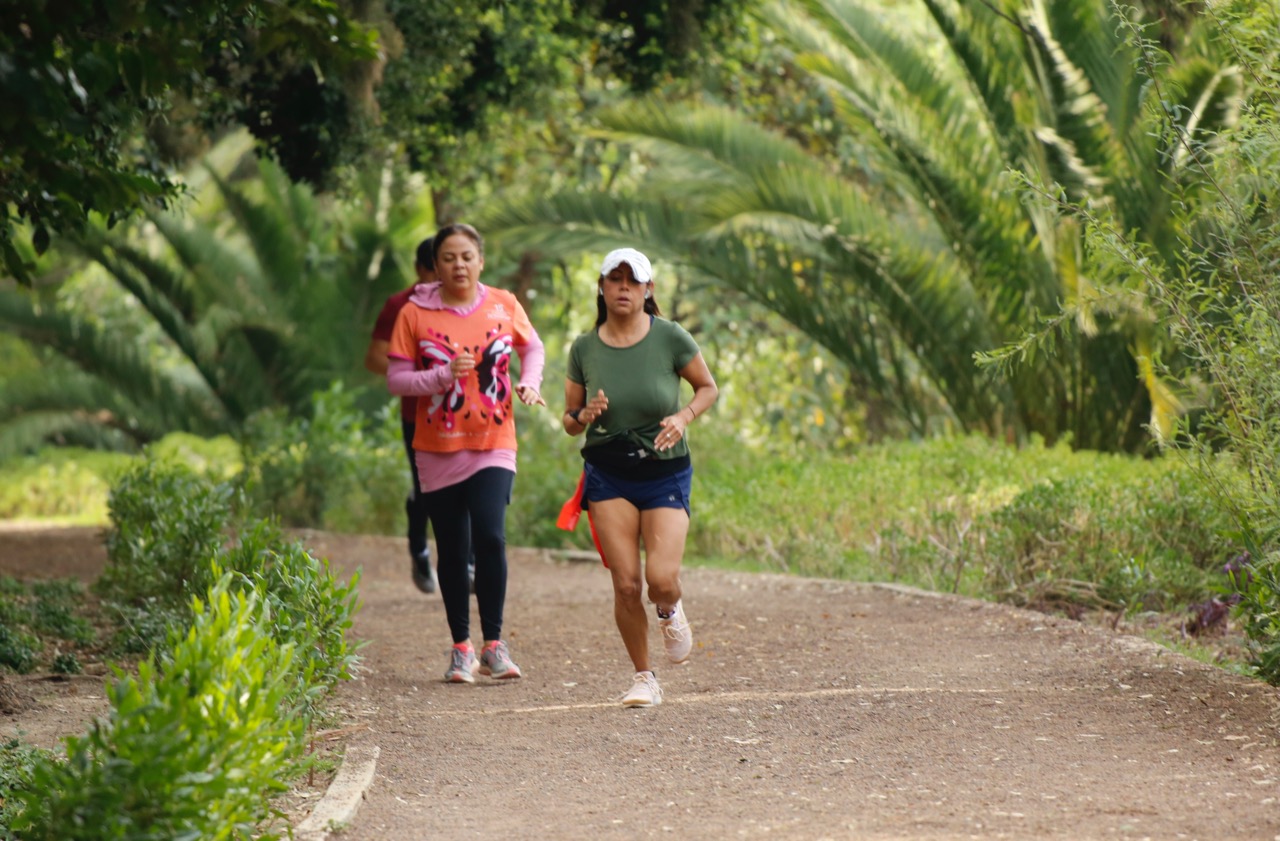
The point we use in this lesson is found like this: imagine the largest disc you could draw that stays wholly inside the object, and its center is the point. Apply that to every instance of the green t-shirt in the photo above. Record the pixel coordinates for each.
(642, 383)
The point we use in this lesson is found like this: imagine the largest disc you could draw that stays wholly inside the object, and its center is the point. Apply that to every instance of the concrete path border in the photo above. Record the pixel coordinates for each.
(343, 797)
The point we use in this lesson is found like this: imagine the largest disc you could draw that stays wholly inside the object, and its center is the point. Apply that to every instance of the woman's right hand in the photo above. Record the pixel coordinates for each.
(595, 407)
(462, 365)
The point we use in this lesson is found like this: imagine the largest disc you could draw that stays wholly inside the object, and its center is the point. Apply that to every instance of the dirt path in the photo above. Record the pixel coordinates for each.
(810, 709)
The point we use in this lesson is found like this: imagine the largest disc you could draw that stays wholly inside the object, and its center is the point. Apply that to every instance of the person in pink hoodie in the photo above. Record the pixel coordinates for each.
(451, 348)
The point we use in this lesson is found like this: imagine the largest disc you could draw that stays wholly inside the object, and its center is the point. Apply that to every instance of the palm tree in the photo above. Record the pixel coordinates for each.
(262, 299)
(931, 251)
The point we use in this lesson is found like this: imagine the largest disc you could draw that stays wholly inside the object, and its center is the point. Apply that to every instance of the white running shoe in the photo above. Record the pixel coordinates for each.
(677, 639)
(644, 691)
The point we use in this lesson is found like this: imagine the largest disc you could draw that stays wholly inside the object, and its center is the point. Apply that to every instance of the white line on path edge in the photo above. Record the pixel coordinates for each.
(344, 795)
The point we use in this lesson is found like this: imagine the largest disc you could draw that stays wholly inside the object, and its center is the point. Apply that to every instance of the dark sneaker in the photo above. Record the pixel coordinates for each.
(424, 575)
(496, 662)
(462, 665)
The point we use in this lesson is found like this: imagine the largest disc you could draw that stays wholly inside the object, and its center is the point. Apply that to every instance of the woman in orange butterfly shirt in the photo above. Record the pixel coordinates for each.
(451, 348)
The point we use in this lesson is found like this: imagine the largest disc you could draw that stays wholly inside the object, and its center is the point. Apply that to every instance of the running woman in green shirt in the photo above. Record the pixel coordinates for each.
(623, 391)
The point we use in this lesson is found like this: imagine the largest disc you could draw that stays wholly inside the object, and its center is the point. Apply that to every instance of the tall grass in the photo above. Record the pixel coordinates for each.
(972, 516)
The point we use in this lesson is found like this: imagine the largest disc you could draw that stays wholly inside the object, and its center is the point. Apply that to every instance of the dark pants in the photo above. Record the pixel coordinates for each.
(469, 521)
(415, 506)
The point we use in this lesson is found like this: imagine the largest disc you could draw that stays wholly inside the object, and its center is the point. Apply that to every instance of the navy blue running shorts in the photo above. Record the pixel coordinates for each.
(665, 492)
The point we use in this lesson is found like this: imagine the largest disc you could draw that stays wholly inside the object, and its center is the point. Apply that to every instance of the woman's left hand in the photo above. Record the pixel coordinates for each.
(673, 427)
(529, 396)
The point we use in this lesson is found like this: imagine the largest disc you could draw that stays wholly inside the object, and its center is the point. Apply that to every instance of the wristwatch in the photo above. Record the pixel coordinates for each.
(574, 414)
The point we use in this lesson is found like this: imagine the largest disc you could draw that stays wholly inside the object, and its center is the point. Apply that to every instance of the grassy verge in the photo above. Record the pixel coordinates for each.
(1046, 527)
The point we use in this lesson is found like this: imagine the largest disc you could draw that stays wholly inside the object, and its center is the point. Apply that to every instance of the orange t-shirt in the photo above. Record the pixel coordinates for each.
(474, 413)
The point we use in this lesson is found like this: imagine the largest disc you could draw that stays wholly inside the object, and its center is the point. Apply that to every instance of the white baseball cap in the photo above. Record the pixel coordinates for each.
(639, 263)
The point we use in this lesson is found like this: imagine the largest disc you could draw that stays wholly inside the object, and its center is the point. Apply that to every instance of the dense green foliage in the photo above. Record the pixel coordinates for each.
(265, 294)
(244, 639)
(1219, 295)
(170, 537)
(82, 81)
(908, 249)
(17, 761)
(167, 522)
(335, 466)
(195, 745)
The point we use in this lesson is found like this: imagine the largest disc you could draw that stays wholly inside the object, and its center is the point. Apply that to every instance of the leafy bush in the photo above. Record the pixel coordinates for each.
(142, 627)
(16, 764)
(336, 469)
(18, 650)
(308, 607)
(167, 522)
(194, 746)
(214, 723)
(66, 663)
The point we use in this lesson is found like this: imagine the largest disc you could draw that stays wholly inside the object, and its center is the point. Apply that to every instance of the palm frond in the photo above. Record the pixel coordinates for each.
(31, 430)
(117, 358)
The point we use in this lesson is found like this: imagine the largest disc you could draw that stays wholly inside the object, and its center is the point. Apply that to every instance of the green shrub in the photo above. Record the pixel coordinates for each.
(144, 626)
(194, 746)
(18, 650)
(16, 764)
(167, 523)
(1258, 584)
(66, 663)
(308, 607)
(337, 469)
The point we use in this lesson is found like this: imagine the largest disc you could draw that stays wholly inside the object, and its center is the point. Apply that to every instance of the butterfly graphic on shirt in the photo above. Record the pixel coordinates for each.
(493, 372)
(434, 354)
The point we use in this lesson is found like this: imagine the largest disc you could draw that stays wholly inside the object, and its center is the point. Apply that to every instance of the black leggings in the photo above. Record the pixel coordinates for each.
(415, 507)
(469, 519)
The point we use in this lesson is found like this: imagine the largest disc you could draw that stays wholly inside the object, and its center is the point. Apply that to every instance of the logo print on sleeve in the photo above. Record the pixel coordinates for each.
(494, 372)
(435, 351)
